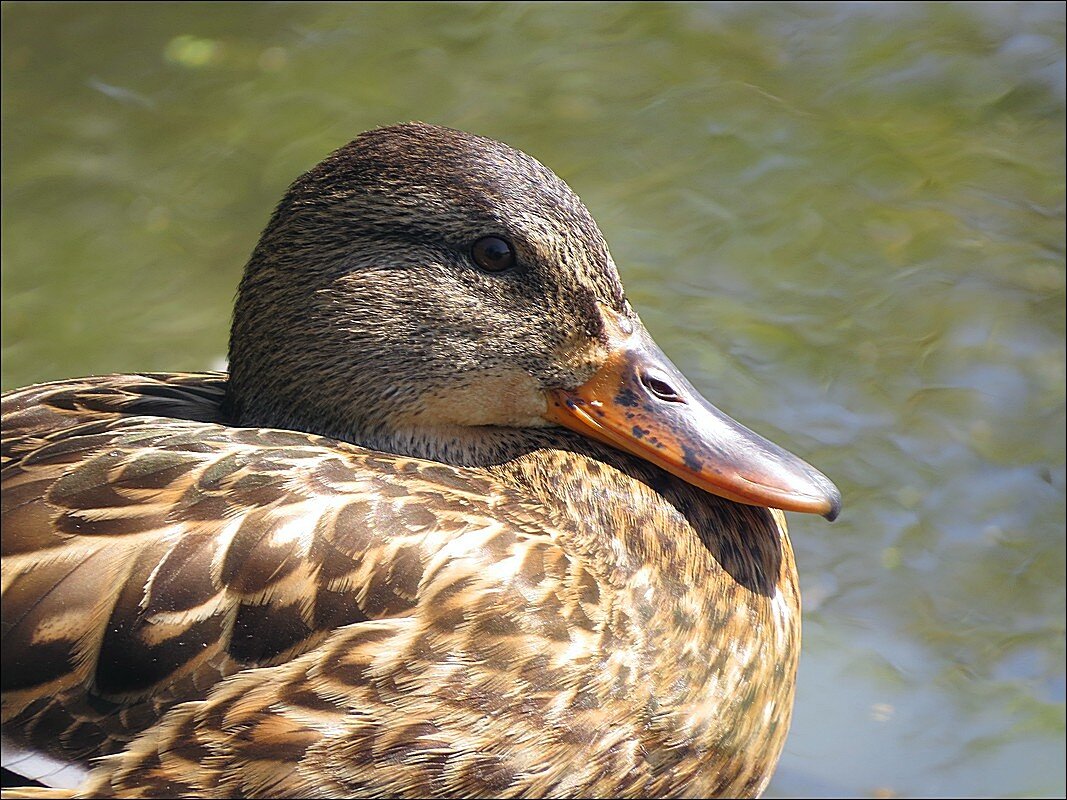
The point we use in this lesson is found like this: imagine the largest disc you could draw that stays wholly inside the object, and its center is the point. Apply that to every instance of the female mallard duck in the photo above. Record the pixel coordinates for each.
(452, 525)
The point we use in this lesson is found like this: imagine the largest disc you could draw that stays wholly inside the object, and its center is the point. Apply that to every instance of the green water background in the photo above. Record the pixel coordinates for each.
(844, 222)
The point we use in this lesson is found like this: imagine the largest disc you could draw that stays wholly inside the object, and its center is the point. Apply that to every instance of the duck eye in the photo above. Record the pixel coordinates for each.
(493, 254)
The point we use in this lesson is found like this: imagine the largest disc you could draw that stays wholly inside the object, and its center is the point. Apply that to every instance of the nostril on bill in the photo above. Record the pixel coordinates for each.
(660, 388)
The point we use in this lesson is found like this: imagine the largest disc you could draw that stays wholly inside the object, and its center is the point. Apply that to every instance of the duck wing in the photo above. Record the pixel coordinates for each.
(377, 710)
(150, 551)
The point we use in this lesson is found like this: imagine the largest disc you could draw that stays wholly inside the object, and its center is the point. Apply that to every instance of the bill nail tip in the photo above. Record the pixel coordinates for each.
(835, 506)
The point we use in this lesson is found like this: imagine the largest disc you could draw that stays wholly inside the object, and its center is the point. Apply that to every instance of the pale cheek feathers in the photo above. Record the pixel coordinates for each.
(511, 398)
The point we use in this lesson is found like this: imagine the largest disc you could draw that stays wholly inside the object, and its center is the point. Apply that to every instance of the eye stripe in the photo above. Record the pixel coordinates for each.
(493, 254)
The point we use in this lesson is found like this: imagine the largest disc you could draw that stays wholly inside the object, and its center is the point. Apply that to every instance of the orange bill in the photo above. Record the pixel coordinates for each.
(639, 402)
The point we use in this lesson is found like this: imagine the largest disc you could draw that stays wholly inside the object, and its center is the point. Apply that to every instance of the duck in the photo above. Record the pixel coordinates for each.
(451, 525)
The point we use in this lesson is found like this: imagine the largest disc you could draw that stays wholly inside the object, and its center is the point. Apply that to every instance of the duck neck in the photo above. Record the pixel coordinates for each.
(461, 446)
(457, 445)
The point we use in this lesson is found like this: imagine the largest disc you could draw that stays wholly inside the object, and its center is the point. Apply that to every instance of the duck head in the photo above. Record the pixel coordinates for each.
(422, 285)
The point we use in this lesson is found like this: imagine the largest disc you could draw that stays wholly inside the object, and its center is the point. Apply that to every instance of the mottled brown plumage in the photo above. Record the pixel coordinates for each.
(363, 564)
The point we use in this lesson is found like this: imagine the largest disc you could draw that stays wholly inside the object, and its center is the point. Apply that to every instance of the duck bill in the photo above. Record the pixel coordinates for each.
(639, 402)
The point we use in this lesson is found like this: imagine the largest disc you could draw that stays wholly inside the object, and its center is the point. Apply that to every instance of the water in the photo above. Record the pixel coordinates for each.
(844, 222)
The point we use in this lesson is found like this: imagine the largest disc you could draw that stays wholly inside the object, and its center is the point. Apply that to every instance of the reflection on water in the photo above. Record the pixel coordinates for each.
(844, 222)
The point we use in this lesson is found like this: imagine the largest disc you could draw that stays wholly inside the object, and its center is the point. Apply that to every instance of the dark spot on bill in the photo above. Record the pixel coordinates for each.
(691, 460)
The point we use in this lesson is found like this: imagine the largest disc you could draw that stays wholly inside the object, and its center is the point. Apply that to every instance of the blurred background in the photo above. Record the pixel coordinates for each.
(844, 222)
